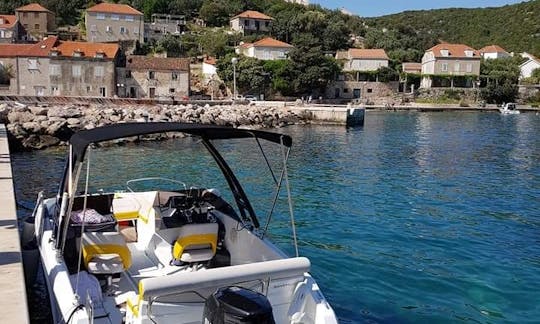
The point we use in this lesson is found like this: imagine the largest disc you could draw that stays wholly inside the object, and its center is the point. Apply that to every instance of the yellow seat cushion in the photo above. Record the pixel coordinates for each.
(196, 236)
(97, 244)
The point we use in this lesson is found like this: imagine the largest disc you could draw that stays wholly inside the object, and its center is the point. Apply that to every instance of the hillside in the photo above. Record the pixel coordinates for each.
(514, 27)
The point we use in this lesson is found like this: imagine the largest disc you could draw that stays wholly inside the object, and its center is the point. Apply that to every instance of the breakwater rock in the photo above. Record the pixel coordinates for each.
(38, 127)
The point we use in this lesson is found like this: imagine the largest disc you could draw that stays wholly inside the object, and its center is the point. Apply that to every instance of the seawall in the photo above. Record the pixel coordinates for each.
(12, 285)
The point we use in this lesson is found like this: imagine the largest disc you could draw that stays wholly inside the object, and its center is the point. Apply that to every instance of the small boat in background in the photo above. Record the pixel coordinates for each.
(509, 109)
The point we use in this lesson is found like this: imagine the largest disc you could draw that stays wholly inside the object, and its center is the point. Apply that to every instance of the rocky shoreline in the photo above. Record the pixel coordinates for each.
(42, 126)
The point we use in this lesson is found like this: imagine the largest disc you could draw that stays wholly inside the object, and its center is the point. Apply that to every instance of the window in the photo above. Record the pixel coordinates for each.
(36, 15)
(36, 26)
(345, 90)
(457, 67)
(246, 23)
(100, 16)
(103, 91)
(76, 70)
(469, 67)
(128, 74)
(444, 67)
(444, 52)
(151, 75)
(172, 90)
(152, 92)
(267, 24)
(55, 91)
(123, 30)
(129, 18)
(24, 14)
(93, 28)
(88, 89)
(136, 30)
(99, 71)
(369, 90)
(469, 53)
(33, 64)
(54, 70)
(174, 76)
(115, 17)
(108, 29)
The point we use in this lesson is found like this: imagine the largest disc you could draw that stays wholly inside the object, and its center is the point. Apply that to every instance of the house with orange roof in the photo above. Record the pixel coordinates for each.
(53, 67)
(493, 52)
(450, 65)
(112, 22)
(154, 77)
(527, 68)
(36, 20)
(363, 60)
(265, 49)
(251, 22)
(10, 29)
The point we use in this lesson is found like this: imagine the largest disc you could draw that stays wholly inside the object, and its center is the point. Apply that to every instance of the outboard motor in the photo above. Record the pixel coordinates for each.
(230, 305)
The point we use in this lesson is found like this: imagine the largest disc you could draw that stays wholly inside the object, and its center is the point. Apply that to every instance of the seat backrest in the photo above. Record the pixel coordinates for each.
(194, 237)
(99, 243)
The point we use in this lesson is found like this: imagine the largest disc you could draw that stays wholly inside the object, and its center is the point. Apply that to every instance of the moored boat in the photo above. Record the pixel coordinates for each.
(509, 109)
(181, 254)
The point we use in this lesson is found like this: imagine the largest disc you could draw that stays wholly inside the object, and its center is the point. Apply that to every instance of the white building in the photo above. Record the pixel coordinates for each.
(302, 2)
(266, 49)
(493, 52)
(251, 22)
(528, 66)
(356, 59)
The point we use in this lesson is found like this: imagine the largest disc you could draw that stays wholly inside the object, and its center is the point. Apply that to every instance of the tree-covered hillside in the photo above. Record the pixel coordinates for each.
(514, 27)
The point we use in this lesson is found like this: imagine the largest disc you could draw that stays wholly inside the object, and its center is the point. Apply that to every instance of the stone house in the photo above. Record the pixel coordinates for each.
(250, 21)
(362, 60)
(154, 77)
(411, 67)
(53, 67)
(10, 29)
(450, 65)
(36, 20)
(163, 24)
(365, 90)
(111, 22)
(265, 49)
(527, 67)
(493, 52)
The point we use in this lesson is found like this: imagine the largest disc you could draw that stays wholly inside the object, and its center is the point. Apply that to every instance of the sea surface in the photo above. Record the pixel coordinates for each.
(413, 218)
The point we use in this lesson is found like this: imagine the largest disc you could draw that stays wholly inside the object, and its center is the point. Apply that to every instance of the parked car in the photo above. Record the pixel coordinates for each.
(250, 98)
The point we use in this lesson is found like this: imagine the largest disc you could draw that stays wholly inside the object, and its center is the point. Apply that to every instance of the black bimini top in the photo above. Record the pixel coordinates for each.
(82, 139)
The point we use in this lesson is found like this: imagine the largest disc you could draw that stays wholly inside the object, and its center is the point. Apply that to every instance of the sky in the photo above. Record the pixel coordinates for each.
(370, 8)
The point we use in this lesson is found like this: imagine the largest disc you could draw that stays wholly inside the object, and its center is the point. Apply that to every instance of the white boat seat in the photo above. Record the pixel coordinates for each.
(196, 242)
(105, 252)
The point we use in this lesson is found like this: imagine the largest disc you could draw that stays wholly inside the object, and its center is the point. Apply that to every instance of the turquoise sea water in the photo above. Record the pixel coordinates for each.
(416, 217)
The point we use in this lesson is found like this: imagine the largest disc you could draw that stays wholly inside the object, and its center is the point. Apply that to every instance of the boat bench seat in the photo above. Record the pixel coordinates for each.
(105, 252)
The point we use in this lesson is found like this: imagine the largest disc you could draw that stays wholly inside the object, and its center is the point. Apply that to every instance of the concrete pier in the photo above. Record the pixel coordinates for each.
(14, 308)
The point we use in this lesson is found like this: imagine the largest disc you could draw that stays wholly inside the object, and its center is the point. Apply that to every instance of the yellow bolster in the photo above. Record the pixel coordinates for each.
(183, 242)
(89, 251)
(126, 215)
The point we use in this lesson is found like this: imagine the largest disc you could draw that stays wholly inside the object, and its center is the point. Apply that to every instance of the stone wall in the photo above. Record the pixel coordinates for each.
(37, 127)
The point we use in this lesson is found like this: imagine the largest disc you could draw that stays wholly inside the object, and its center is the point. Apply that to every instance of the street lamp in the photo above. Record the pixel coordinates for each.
(234, 61)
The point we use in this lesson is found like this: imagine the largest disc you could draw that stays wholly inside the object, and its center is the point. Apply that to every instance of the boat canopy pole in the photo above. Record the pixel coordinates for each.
(83, 224)
(266, 160)
(287, 184)
(239, 194)
(276, 196)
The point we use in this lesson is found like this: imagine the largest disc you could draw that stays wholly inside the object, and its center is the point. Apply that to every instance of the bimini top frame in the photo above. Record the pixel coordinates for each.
(81, 140)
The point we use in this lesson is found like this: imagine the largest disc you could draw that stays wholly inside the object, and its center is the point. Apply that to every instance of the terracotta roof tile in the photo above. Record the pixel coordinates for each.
(64, 48)
(139, 62)
(114, 8)
(454, 50)
(411, 66)
(13, 50)
(493, 49)
(33, 7)
(267, 42)
(8, 21)
(253, 15)
(374, 53)
(342, 55)
(67, 48)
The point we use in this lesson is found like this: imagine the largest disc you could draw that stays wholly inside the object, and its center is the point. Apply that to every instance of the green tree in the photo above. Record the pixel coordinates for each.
(217, 13)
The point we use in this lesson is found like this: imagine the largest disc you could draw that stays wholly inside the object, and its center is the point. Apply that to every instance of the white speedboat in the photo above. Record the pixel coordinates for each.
(181, 255)
(509, 109)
